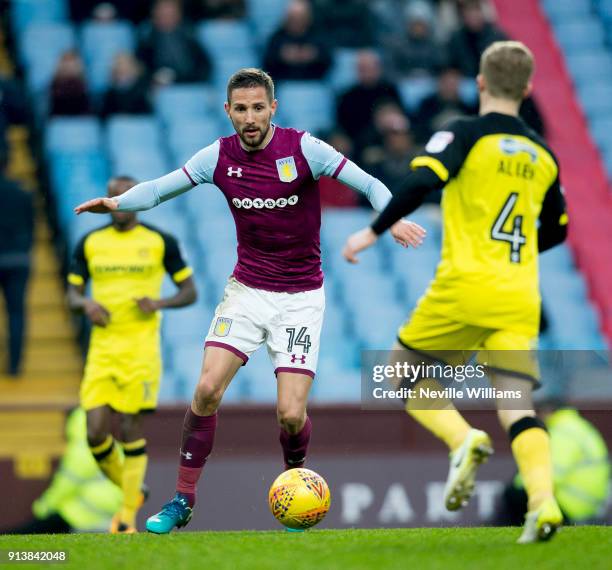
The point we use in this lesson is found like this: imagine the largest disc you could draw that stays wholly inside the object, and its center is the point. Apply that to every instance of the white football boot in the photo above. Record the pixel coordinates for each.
(464, 462)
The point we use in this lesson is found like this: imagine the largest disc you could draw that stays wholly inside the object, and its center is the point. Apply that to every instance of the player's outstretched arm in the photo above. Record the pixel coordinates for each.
(417, 185)
(143, 196)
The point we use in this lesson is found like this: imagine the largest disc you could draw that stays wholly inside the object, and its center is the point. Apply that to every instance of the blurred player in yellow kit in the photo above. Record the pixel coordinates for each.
(502, 204)
(126, 262)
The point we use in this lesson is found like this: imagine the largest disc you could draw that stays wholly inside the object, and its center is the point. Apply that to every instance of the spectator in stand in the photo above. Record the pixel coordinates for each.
(169, 50)
(387, 116)
(474, 35)
(439, 108)
(345, 23)
(415, 51)
(215, 9)
(16, 236)
(296, 50)
(356, 106)
(398, 150)
(128, 92)
(68, 94)
(134, 10)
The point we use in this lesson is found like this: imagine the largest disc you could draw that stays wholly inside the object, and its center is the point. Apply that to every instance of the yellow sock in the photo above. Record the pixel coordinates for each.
(134, 468)
(439, 416)
(109, 458)
(531, 449)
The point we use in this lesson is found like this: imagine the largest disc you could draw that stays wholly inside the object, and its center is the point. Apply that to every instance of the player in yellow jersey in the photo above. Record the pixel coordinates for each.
(126, 262)
(502, 204)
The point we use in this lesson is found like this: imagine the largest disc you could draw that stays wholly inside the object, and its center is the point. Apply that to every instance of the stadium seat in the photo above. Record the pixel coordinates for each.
(41, 46)
(306, 105)
(195, 133)
(582, 34)
(596, 100)
(414, 90)
(184, 102)
(266, 16)
(220, 37)
(132, 132)
(590, 66)
(567, 10)
(344, 69)
(25, 13)
(72, 134)
(100, 43)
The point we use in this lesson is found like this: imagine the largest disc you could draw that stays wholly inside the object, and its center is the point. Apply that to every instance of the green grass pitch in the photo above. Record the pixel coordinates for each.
(588, 548)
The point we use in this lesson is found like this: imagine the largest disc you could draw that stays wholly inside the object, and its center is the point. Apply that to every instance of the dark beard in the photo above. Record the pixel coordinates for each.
(257, 142)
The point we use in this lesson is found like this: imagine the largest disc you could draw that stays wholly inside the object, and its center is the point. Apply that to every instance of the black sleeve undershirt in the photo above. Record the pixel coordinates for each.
(551, 232)
(411, 195)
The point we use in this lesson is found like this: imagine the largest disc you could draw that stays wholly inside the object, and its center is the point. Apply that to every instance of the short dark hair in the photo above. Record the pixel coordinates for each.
(250, 77)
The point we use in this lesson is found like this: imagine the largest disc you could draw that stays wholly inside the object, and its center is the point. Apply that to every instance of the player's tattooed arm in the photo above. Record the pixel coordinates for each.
(97, 314)
(186, 295)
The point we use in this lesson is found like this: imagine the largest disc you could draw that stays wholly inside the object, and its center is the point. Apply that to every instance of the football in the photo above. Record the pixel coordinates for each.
(299, 498)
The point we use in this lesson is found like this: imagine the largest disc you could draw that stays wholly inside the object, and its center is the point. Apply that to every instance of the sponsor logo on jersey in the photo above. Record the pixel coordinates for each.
(231, 171)
(269, 203)
(287, 170)
(298, 359)
(513, 146)
(439, 141)
(222, 326)
(187, 455)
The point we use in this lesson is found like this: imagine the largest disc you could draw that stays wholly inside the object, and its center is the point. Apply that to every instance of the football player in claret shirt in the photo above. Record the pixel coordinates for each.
(125, 261)
(502, 204)
(269, 176)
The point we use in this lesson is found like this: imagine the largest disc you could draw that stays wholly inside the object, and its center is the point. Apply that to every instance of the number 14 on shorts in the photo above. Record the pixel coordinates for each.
(298, 337)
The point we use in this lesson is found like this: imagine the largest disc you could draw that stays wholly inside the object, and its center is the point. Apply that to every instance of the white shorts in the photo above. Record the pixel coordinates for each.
(288, 323)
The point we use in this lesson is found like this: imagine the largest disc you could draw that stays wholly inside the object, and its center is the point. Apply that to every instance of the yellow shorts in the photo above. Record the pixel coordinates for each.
(127, 384)
(432, 334)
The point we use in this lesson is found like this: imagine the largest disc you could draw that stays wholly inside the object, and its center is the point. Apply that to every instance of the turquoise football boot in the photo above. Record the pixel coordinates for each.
(177, 513)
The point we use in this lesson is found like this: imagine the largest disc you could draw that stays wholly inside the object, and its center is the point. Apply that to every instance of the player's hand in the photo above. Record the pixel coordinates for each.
(408, 233)
(358, 242)
(96, 313)
(97, 206)
(148, 305)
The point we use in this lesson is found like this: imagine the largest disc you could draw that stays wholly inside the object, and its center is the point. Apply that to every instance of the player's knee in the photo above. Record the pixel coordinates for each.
(208, 394)
(509, 417)
(291, 419)
(131, 427)
(96, 434)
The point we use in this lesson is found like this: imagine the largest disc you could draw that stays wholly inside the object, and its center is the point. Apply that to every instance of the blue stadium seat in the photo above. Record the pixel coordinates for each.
(101, 42)
(184, 102)
(145, 164)
(590, 66)
(336, 384)
(596, 100)
(306, 105)
(41, 46)
(194, 133)
(132, 132)
(601, 130)
(414, 90)
(344, 70)
(72, 134)
(219, 37)
(24, 13)
(266, 16)
(583, 34)
(567, 10)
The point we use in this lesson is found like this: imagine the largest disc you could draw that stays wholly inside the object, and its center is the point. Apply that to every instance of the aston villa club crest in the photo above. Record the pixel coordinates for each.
(222, 327)
(287, 170)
